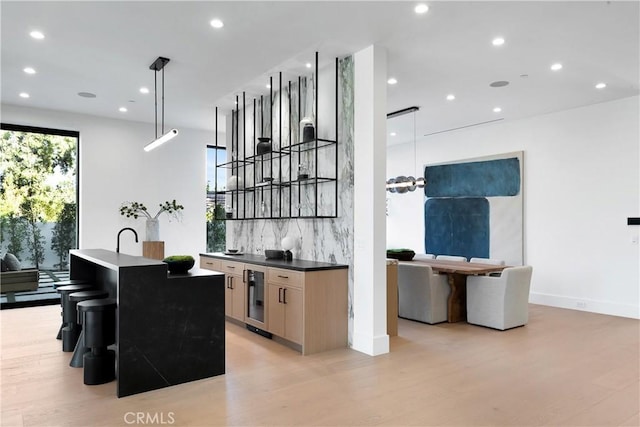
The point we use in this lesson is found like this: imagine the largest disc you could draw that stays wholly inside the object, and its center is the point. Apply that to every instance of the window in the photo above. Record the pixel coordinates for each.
(39, 201)
(216, 229)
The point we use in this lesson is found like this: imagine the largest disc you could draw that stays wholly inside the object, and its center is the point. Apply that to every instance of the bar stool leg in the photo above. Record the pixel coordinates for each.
(70, 335)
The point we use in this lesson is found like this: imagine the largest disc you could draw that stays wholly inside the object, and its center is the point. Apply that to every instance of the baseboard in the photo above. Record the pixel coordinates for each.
(373, 346)
(581, 304)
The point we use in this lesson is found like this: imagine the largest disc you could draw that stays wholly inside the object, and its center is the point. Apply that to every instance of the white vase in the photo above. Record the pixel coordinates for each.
(152, 228)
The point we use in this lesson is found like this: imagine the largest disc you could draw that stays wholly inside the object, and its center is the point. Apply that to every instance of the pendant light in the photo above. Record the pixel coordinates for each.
(402, 184)
(157, 66)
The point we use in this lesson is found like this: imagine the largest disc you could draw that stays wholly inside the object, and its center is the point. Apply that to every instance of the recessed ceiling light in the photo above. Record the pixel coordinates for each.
(36, 35)
(122, 109)
(216, 23)
(421, 8)
(144, 90)
(498, 41)
(24, 95)
(268, 86)
(29, 70)
(497, 110)
(499, 83)
(601, 85)
(557, 66)
(392, 81)
(451, 97)
(392, 134)
(87, 94)
(308, 65)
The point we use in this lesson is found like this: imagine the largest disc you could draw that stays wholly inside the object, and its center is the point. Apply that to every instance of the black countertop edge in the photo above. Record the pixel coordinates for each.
(295, 264)
(114, 260)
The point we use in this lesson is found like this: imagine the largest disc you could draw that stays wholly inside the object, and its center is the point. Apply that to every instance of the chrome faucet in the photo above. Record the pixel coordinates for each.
(126, 228)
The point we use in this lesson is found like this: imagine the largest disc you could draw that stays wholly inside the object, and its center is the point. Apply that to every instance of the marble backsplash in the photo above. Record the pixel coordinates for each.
(327, 240)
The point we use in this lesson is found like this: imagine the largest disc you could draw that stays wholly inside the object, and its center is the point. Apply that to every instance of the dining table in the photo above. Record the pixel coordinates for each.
(457, 272)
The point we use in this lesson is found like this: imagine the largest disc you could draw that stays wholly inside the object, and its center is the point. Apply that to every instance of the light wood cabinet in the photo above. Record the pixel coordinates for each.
(234, 293)
(285, 311)
(210, 263)
(304, 309)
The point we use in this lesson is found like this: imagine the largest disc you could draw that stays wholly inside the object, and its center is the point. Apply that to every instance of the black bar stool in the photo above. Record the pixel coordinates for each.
(68, 282)
(69, 320)
(74, 299)
(98, 318)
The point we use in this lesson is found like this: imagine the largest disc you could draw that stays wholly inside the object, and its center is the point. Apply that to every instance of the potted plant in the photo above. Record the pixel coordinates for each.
(179, 264)
(136, 210)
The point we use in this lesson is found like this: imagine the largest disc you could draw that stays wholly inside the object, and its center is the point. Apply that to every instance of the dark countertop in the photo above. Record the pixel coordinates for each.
(114, 260)
(295, 264)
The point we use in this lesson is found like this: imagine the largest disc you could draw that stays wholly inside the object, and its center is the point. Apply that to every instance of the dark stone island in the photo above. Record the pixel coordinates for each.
(170, 328)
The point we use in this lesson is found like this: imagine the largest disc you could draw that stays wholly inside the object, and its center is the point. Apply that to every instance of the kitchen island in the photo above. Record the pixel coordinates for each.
(169, 328)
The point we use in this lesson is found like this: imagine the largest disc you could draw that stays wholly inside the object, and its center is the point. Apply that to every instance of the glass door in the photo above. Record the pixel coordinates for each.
(256, 298)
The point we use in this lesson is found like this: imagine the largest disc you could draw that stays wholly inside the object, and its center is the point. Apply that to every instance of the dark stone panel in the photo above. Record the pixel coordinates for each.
(171, 331)
(457, 227)
(474, 179)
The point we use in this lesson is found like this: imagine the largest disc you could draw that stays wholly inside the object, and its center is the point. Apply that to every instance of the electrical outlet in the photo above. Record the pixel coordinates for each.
(581, 304)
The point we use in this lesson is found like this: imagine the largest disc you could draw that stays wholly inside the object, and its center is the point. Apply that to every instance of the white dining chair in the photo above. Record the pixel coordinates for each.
(422, 295)
(451, 258)
(499, 302)
(423, 256)
(491, 261)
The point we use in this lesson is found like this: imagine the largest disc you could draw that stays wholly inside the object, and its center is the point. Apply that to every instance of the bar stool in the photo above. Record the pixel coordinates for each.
(68, 316)
(68, 282)
(74, 299)
(98, 318)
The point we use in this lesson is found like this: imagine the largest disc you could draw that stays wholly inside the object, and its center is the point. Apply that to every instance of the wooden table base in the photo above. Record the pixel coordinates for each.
(457, 311)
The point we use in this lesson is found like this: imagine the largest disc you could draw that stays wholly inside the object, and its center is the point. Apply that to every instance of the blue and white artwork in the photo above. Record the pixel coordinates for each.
(473, 208)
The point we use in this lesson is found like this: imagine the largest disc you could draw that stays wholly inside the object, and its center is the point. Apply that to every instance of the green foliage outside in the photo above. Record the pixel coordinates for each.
(64, 234)
(37, 181)
(216, 229)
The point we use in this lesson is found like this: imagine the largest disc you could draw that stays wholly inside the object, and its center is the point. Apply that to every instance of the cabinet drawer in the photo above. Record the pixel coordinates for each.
(231, 267)
(285, 277)
(209, 263)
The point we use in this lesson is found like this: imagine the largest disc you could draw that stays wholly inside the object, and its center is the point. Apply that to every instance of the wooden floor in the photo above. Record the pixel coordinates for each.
(566, 368)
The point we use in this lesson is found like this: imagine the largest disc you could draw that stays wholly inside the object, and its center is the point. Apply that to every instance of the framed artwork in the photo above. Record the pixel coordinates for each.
(474, 208)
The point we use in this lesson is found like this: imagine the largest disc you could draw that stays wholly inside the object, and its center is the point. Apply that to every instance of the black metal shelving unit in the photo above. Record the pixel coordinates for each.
(266, 197)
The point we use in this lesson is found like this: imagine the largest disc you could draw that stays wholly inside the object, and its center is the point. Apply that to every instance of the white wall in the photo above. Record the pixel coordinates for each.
(114, 168)
(581, 182)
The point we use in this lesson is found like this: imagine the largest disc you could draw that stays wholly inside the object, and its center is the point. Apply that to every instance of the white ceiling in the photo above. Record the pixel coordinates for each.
(106, 48)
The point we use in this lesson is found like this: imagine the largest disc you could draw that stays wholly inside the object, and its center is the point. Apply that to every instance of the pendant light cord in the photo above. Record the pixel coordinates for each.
(155, 94)
(163, 100)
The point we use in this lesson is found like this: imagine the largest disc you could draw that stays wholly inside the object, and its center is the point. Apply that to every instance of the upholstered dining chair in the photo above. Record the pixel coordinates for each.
(491, 261)
(451, 258)
(424, 256)
(500, 302)
(422, 295)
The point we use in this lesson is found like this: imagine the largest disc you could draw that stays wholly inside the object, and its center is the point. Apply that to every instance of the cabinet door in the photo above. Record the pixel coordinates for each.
(293, 321)
(234, 297)
(275, 315)
(228, 296)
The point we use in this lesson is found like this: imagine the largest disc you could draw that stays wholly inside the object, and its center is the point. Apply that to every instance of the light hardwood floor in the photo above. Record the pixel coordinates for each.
(564, 368)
